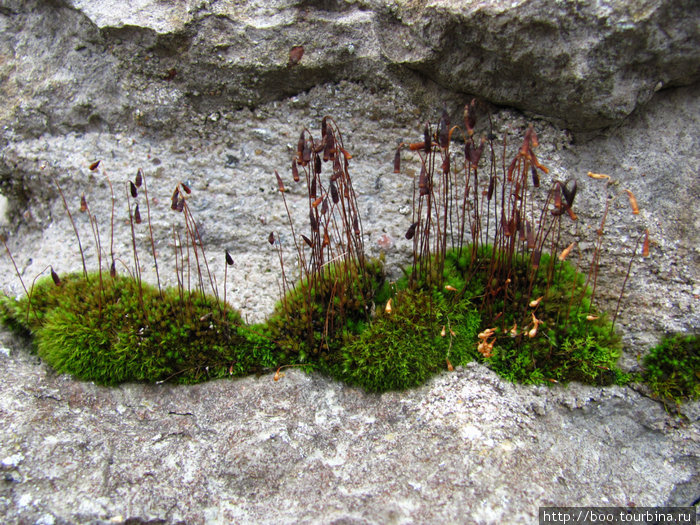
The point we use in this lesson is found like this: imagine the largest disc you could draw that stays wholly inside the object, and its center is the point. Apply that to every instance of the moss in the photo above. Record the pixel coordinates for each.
(118, 331)
(573, 342)
(313, 322)
(672, 368)
(121, 331)
(404, 347)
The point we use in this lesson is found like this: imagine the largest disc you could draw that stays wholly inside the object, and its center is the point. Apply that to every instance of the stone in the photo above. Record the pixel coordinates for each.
(164, 65)
(201, 92)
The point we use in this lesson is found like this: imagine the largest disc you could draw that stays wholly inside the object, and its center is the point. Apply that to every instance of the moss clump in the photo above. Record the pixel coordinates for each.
(314, 321)
(672, 368)
(121, 330)
(572, 342)
(421, 335)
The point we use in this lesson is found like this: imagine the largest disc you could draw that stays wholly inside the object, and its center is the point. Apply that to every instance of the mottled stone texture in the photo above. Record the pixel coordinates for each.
(105, 64)
(201, 91)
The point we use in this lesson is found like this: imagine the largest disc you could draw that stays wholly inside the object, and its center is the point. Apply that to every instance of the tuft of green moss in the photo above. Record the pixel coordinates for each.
(113, 330)
(313, 322)
(573, 342)
(672, 368)
(416, 339)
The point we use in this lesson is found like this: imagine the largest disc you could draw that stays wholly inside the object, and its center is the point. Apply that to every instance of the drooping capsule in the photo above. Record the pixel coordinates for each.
(411, 231)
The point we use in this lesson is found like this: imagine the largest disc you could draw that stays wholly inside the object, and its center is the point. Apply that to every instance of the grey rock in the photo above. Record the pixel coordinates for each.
(201, 92)
(465, 448)
(158, 66)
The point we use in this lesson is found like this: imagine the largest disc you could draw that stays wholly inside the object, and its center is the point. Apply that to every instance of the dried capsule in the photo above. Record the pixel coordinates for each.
(94, 165)
(312, 190)
(633, 202)
(174, 199)
(410, 233)
(556, 195)
(535, 302)
(137, 214)
(329, 150)
(229, 259)
(83, 204)
(271, 238)
(139, 178)
(300, 147)
(446, 165)
(134, 191)
(565, 253)
(334, 193)
(317, 164)
(113, 270)
(295, 170)
(280, 184)
(569, 194)
(427, 141)
(397, 160)
(306, 153)
(423, 184)
(535, 176)
(492, 187)
(185, 188)
(645, 245)
(313, 222)
(55, 277)
(307, 240)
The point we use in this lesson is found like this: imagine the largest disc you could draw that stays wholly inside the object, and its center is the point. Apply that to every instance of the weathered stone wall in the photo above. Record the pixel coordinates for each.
(201, 91)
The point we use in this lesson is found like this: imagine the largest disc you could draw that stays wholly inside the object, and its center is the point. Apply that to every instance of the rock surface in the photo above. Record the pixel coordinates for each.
(98, 66)
(202, 92)
(466, 448)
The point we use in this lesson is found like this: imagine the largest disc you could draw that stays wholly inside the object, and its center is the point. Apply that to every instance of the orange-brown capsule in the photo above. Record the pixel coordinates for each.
(566, 251)
(535, 303)
(645, 245)
(633, 202)
(280, 184)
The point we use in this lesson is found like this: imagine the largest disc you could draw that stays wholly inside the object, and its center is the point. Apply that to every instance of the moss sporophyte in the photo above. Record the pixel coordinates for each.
(490, 280)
